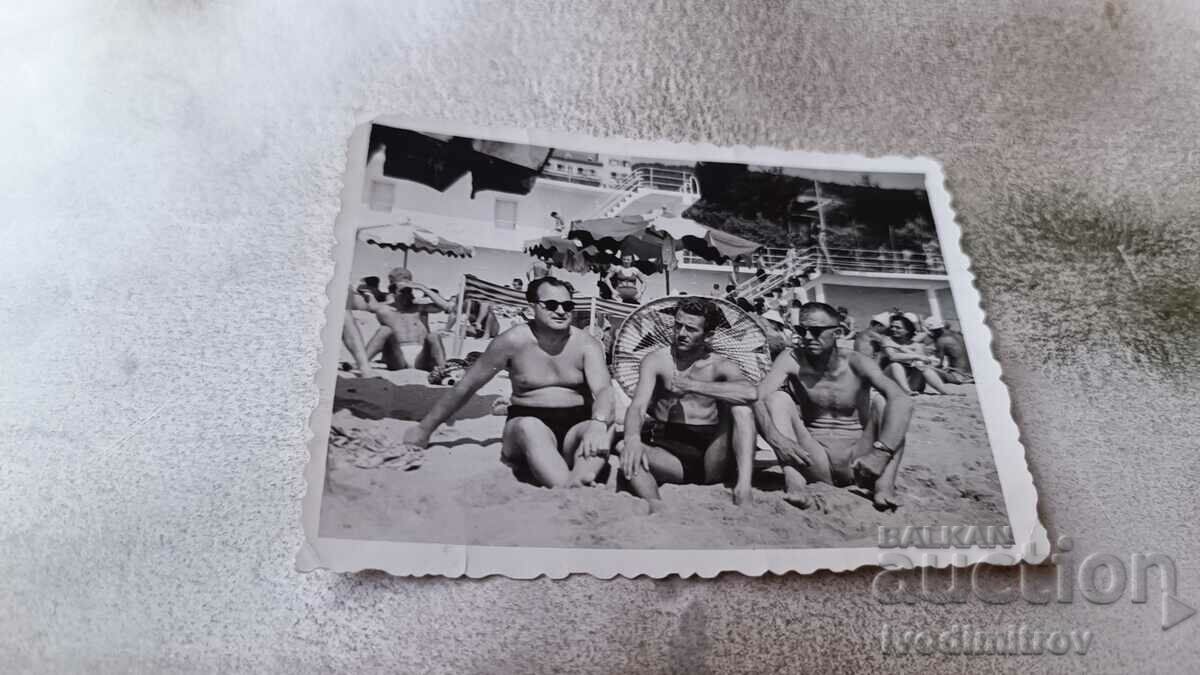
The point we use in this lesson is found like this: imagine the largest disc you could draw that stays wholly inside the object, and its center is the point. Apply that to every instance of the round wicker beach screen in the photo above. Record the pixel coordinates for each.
(738, 338)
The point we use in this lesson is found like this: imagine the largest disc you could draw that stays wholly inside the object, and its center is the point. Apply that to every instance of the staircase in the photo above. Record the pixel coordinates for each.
(778, 275)
(625, 192)
(645, 181)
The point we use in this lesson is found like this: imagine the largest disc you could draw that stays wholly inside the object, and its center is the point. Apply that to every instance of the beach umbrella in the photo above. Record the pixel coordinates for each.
(564, 253)
(408, 237)
(738, 337)
(655, 237)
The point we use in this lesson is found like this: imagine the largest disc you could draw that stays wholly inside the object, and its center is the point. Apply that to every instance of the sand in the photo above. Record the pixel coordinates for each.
(463, 494)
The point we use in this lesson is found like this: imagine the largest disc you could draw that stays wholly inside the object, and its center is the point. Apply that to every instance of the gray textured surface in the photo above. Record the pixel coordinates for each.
(171, 173)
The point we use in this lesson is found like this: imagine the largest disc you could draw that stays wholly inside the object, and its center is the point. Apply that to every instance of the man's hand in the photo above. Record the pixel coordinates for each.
(679, 384)
(595, 441)
(633, 457)
(793, 454)
(417, 436)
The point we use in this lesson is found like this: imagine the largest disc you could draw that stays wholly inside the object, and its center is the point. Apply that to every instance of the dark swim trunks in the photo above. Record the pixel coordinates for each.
(560, 420)
(670, 435)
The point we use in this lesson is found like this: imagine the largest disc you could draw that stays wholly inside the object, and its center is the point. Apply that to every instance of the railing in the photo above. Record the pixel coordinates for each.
(625, 191)
(568, 177)
(670, 180)
(884, 261)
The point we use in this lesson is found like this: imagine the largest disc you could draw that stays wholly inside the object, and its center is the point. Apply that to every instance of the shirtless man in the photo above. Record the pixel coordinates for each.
(561, 411)
(404, 321)
(698, 403)
(831, 428)
(951, 351)
(352, 336)
(870, 341)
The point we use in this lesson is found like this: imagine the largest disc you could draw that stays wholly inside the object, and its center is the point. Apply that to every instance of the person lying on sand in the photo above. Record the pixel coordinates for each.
(831, 428)
(906, 360)
(698, 405)
(405, 321)
(561, 410)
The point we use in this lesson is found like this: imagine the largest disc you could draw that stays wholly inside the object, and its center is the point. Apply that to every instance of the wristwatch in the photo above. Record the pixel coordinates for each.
(883, 447)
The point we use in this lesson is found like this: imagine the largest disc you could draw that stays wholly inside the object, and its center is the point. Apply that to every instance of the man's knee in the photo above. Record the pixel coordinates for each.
(779, 401)
(743, 417)
(524, 428)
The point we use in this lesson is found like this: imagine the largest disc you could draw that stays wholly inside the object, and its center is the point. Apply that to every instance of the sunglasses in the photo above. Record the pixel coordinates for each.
(815, 332)
(553, 305)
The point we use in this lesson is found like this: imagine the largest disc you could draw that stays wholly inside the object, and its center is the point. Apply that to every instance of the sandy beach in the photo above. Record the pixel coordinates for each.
(462, 494)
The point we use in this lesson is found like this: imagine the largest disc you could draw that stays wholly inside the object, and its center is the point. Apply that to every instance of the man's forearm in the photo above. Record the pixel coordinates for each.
(634, 417)
(602, 405)
(737, 393)
(896, 416)
(766, 426)
(447, 405)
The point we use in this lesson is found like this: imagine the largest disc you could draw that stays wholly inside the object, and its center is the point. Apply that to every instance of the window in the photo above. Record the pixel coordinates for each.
(506, 214)
(381, 196)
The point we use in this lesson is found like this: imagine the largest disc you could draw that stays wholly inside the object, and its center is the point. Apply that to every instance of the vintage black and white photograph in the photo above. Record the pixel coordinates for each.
(597, 348)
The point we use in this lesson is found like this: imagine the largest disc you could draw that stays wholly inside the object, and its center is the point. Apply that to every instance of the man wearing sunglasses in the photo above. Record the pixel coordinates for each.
(817, 411)
(690, 407)
(561, 409)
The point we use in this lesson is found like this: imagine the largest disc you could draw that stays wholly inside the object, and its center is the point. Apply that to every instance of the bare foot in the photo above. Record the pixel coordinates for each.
(885, 499)
(804, 501)
(869, 467)
(742, 495)
(657, 506)
(581, 481)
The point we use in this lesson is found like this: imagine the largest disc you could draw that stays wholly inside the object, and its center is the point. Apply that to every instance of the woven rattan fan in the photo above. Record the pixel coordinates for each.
(739, 338)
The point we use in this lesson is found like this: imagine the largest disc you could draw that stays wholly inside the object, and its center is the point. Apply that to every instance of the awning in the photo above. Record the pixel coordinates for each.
(408, 237)
(439, 162)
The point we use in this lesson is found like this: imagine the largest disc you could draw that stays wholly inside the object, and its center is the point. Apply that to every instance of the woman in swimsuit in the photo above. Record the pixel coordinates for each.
(906, 361)
(628, 281)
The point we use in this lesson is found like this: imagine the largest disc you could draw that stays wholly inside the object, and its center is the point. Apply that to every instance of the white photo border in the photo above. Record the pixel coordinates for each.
(422, 559)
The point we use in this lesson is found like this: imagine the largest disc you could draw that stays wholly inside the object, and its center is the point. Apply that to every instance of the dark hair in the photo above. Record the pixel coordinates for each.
(813, 307)
(702, 307)
(729, 288)
(531, 291)
(842, 310)
(904, 320)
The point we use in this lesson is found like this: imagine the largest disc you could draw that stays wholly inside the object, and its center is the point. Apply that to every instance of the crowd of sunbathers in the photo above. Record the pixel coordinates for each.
(835, 405)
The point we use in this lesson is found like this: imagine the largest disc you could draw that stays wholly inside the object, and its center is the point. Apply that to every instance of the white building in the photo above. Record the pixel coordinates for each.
(499, 224)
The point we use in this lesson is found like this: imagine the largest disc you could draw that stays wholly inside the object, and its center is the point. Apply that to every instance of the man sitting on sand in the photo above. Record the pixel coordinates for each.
(870, 341)
(561, 409)
(352, 336)
(404, 322)
(830, 427)
(698, 404)
(951, 351)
